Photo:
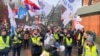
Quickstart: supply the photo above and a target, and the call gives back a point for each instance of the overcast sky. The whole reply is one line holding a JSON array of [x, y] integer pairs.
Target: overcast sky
[[52, 2]]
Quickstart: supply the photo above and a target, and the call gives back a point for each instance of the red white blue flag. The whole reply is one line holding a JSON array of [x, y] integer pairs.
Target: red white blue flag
[[31, 4]]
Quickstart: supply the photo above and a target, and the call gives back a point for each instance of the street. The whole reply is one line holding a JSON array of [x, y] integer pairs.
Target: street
[[28, 53]]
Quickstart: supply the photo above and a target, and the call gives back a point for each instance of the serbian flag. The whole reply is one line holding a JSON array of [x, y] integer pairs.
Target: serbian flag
[[32, 4]]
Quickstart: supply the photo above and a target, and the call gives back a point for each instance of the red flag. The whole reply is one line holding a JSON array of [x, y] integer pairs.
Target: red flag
[[34, 5]]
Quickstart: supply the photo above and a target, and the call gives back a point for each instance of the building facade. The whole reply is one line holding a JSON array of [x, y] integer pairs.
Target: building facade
[[90, 15]]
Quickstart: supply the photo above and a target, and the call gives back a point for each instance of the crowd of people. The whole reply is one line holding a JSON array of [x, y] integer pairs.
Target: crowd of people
[[47, 42]]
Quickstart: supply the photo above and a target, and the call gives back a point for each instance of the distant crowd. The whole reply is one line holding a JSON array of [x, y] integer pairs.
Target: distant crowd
[[48, 41]]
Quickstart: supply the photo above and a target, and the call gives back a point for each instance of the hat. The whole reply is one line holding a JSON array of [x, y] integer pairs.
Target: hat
[[90, 38]]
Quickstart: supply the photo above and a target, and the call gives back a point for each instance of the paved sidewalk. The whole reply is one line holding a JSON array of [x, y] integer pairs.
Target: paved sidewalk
[[98, 46], [23, 53], [28, 53]]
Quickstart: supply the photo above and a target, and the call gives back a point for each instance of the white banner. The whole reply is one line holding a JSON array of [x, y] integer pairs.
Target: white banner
[[78, 25], [66, 17], [11, 16], [35, 13], [12, 20], [77, 18], [45, 7], [72, 5]]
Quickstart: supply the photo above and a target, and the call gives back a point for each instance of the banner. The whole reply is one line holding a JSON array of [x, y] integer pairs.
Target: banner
[[78, 25], [77, 18], [35, 13], [12, 20], [72, 5], [66, 17], [45, 7]]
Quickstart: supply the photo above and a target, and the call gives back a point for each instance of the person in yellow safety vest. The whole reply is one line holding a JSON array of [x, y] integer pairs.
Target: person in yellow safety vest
[[5, 43], [68, 42], [36, 43], [17, 42], [57, 37], [46, 51], [90, 48], [80, 41], [50, 50]]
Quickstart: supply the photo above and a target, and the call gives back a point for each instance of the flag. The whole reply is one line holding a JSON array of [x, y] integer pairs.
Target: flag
[[78, 25], [72, 5], [32, 4], [21, 12], [33, 7], [12, 20], [66, 17], [45, 7], [15, 11], [35, 13], [77, 18]]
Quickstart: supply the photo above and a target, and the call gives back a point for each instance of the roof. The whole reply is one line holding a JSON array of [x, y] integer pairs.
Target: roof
[[95, 8]]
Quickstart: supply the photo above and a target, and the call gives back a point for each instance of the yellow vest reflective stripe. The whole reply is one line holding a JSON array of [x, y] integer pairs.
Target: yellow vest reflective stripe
[[91, 51], [82, 43], [68, 41], [79, 36], [56, 36], [45, 53], [3, 45], [36, 40], [16, 40]]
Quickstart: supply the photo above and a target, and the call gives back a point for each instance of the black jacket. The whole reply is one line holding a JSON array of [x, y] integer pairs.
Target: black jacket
[[35, 49]]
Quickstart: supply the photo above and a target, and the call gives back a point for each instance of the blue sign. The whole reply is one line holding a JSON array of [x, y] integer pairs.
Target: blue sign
[[22, 12], [71, 1], [70, 7], [68, 4], [65, 2]]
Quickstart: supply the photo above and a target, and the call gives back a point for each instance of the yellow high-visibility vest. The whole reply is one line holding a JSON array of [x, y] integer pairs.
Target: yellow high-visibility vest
[[36, 40], [45, 53], [3, 44], [69, 41], [56, 36], [16, 40], [90, 51], [82, 41], [79, 37]]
